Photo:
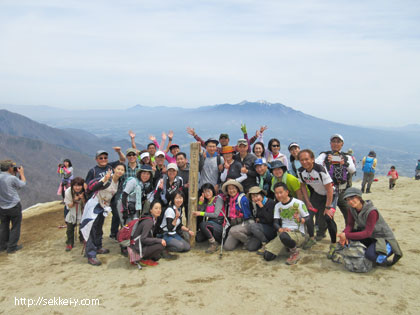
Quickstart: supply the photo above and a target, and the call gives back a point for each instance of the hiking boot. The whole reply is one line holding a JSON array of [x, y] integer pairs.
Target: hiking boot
[[331, 251], [319, 237], [3, 249], [261, 251], [363, 190], [124, 251], [14, 250], [368, 191], [148, 262], [69, 247], [94, 261], [212, 248], [102, 251], [165, 254], [294, 257], [311, 242]]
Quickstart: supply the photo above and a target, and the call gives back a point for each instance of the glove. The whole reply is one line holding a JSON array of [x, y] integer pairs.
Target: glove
[[243, 128]]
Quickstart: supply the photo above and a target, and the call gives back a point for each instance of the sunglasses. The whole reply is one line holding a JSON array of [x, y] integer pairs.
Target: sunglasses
[[275, 145], [131, 154], [103, 158]]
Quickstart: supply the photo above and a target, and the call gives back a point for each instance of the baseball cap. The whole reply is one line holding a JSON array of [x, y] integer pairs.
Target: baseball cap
[[337, 136], [158, 153], [100, 152], [172, 166], [242, 141]]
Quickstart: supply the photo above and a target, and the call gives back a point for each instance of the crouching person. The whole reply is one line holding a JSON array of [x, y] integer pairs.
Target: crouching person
[[173, 227], [289, 220], [146, 246], [239, 214], [74, 199], [211, 208], [366, 225], [262, 230]]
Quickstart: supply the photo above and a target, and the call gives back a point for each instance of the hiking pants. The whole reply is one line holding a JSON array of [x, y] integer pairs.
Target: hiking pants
[[260, 233], [9, 237], [94, 241], [239, 233], [175, 243], [367, 179], [152, 251], [70, 233], [324, 222], [115, 223], [392, 182], [342, 205], [209, 229]]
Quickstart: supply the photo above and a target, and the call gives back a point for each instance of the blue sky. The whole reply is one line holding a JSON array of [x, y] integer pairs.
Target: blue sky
[[356, 62]]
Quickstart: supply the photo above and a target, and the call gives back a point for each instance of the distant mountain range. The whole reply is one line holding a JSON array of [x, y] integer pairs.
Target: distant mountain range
[[85, 131]]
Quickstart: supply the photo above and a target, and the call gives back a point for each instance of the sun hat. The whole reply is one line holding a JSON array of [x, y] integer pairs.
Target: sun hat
[[234, 183]]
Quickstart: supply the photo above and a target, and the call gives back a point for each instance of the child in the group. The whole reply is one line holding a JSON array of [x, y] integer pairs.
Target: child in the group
[[393, 176], [74, 199], [290, 215]]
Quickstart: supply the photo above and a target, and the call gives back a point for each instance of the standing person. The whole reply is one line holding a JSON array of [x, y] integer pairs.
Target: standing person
[[211, 164], [263, 179], [247, 160], [262, 230], [75, 200], [211, 209], [159, 168], [290, 215], [273, 152], [183, 168], [96, 209], [393, 176], [168, 185], [294, 150], [232, 168], [350, 153], [259, 150], [10, 207], [172, 225], [417, 171], [339, 165], [239, 214], [369, 167], [367, 225], [321, 201], [280, 174], [66, 174]]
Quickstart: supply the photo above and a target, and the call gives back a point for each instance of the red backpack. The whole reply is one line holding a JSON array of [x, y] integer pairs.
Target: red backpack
[[125, 234]]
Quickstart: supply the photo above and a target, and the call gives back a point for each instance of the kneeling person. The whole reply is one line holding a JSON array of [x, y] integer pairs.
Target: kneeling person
[[290, 215]]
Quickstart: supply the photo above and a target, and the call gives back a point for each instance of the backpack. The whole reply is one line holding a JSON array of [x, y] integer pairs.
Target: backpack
[[125, 234], [337, 172], [368, 167], [418, 166], [354, 259]]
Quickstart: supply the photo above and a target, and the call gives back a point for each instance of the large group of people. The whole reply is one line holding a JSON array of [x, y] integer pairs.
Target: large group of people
[[250, 196]]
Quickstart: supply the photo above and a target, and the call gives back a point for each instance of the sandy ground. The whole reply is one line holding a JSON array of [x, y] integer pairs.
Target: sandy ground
[[240, 282]]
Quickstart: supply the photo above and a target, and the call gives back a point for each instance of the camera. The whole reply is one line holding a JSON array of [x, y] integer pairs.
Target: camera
[[336, 159], [78, 193], [15, 169]]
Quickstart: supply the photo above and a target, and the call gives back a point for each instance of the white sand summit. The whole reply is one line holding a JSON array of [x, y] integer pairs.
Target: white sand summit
[[197, 283]]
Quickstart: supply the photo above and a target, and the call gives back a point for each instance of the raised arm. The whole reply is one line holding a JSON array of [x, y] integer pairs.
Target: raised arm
[[192, 132]]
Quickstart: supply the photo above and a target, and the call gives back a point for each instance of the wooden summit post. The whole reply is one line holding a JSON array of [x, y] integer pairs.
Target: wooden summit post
[[193, 187]]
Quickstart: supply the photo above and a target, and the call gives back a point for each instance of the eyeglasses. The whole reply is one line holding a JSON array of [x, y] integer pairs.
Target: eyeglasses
[[336, 141], [131, 154], [275, 145], [103, 158]]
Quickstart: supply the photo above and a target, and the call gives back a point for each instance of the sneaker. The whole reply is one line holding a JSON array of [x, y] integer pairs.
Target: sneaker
[[124, 251], [331, 251], [294, 257], [148, 262], [212, 248], [102, 251], [14, 250], [319, 237], [165, 254], [261, 251], [69, 247], [94, 261], [311, 242]]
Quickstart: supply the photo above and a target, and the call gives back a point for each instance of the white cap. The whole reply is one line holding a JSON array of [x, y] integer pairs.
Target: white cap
[[144, 155], [172, 166], [158, 153], [337, 136]]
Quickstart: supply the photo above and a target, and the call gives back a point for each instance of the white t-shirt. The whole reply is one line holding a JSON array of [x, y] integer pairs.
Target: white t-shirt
[[170, 214], [316, 178], [285, 212]]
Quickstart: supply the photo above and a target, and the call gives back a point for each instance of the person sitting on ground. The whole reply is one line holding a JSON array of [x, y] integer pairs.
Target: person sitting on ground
[[366, 224], [232, 168], [172, 225], [393, 176], [239, 215], [264, 177], [290, 215], [74, 199], [294, 150], [137, 195], [96, 209], [369, 167], [66, 174], [262, 230], [280, 174], [247, 160], [148, 247], [320, 203], [211, 208]]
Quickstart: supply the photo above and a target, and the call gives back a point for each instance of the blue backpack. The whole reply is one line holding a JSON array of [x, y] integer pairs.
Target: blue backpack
[[368, 167]]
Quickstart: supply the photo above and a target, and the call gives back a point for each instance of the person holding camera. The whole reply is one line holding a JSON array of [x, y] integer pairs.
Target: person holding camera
[[66, 174], [10, 207]]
